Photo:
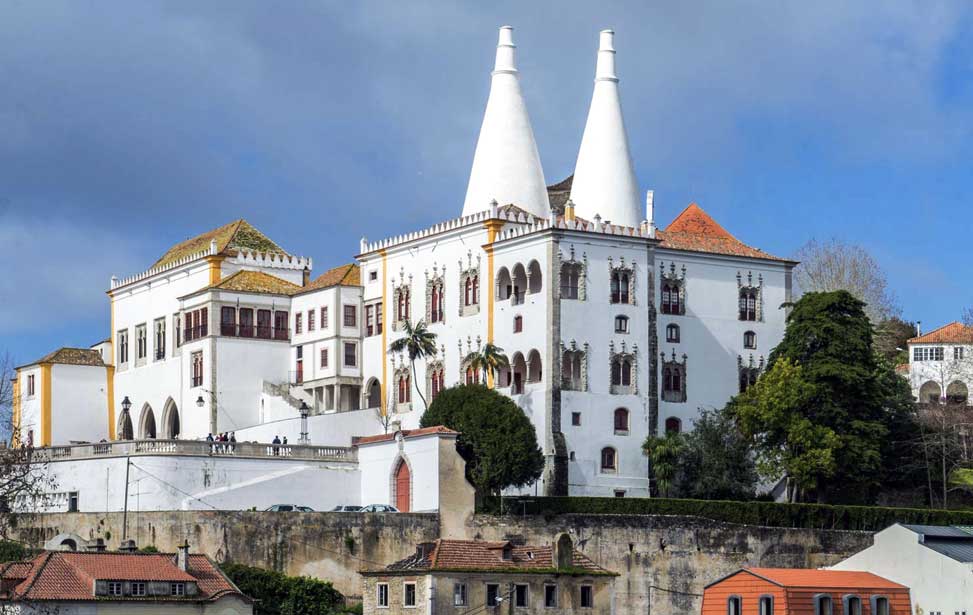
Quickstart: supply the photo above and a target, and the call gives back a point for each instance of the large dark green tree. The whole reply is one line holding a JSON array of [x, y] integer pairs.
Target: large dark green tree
[[278, 594], [496, 439], [715, 462]]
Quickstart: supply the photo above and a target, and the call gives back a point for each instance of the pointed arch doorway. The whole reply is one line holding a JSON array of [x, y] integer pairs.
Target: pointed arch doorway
[[403, 487]]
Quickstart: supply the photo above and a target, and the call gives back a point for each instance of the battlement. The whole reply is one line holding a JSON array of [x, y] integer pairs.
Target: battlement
[[118, 283], [271, 260], [643, 231]]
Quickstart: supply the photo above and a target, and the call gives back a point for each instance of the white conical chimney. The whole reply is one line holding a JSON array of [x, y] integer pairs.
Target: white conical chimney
[[604, 180], [506, 166]]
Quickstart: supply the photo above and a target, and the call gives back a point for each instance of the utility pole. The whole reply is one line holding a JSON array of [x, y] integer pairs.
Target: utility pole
[[128, 465]]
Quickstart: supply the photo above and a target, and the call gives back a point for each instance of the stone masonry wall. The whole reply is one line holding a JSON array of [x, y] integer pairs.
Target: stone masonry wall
[[664, 562]]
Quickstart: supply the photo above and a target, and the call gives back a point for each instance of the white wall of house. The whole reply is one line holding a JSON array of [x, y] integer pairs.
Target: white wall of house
[[950, 376], [937, 583], [378, 462], [78, 403], [30, 404]]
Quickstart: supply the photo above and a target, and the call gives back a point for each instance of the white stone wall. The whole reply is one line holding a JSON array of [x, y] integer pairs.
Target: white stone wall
[[78, 402], [378, 462], [30, 405], [929, 377]]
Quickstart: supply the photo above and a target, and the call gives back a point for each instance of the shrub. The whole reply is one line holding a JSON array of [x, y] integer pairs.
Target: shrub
[[279, 594]]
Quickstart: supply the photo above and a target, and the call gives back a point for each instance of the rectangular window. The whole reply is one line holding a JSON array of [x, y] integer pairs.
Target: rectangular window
[[766, 606], [619, 493], [122, 338], [382, 595], [324, 357], [576, 419], [310, 320], [227, 321], [138, 588], [734, 606], [621, 324], [587, 597], [459, 594], [203, 322], [492, 594], [141, 342], [521, 596], [73, 501], [372, 275], [298, 323], [958, 352], [246, 322], [408, 594], [281, 318], [928, 353], [177, 589], [263, 324], [550, 596], [369, 320], [351, 316], [197, 365], [378, 318], [324, 318], [177, 334], [159, 328], [114, 588], [351, 356], [518, 324], [30, 385]]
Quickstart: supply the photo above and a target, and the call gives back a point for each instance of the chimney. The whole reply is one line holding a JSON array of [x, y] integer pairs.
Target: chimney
[[918, 328], [98, 545], [182, 556], [569, 210], [128, 546], [650, 207], [306, 277], [563, 552]]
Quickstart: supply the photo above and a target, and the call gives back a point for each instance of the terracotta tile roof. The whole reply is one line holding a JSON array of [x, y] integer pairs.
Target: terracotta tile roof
[[345, 275], [237, 235], [953, 333], [477, 555], [695, 231], [72, 356], [406, 433], [811, 578], [65, 575], [255, 282]]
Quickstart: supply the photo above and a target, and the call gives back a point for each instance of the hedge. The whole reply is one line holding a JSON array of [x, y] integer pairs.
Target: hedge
[[772, 514]]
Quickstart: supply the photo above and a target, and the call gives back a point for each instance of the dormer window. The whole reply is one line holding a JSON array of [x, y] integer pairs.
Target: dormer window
[[507, 553]]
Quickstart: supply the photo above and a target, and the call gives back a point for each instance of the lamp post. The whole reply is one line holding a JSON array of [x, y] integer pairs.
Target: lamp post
[[200, 402], [126, 420], [126, 417], [304, 412]]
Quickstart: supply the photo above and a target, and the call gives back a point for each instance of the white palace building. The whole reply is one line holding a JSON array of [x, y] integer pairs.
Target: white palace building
[[615, 330]]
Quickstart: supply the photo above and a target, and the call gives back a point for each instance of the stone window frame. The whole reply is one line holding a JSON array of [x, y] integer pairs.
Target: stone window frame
[[628, 270], [436, 280], [623, 355], [750, 370], [397, 290], [582, 353], [678, 396], [472, 273], [757, 289], [582, 266], [678, 280], [432, 369], [402, 371]]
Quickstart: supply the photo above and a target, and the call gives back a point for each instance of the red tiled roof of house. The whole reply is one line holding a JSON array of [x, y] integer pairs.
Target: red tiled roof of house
[[406, 433], [475, 555], [953, 333], [812, 578], [694, 230], [67, 575], [345, 275]]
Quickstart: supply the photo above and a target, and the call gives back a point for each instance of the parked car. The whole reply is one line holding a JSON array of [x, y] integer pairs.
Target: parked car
[[379, 508], [289, 508], [346, 508]]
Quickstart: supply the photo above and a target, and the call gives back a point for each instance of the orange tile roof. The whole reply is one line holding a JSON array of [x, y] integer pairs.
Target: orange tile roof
[[812, 578], [953, 333], [66, 575], [230, 238], [406, 433], [345, 275], [72, 356], [695, 231], [475, 555], [256, 282]]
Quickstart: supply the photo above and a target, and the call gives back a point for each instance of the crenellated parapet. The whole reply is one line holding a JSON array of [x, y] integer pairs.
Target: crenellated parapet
[[119, 282], [271, 260]]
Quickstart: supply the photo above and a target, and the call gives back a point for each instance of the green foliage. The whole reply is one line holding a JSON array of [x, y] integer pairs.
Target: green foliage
[[891, 336], [715, 462], [14, 551], [279, 594], [417, 341], [769, 514], [496, 439], [149, 549], [664, 453], [488, 360]]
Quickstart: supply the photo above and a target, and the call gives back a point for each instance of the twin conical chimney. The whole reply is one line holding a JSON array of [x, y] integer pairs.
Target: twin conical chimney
[[506, 165], [604, 179]]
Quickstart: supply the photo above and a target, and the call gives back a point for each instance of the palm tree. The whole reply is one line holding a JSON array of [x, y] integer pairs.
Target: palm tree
[[489, 359], [418, 342]]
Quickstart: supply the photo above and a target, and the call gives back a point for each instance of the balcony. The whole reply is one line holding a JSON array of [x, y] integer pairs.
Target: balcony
[[262, 332], [250, 450]]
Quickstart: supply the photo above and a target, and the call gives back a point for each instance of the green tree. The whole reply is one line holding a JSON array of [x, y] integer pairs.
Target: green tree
[[664, 452], [496, 439], [772, 413], [891, 337], [280, 594], [488, 360], [417, 342], [716, 462]]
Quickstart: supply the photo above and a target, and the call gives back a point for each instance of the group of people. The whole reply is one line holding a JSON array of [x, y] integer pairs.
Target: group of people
[[277, 441], [224, 442]]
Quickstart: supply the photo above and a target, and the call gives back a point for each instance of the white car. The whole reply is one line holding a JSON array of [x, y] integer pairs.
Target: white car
[[379, 508], [289, 508]]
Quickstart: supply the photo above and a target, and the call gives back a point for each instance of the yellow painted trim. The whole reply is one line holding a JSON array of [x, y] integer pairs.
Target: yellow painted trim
[[16, 417], [110, 375], [493, 227], [215, 272], [385, 326], [45, 404]]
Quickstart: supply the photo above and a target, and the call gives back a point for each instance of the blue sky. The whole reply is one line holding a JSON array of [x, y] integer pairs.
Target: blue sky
[[126, 127]]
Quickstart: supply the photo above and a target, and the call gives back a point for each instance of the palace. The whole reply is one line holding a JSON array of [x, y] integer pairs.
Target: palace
[[615, 329]]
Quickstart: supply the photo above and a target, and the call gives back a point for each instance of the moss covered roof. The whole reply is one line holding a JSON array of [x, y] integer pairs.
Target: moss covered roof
[[229, 238]]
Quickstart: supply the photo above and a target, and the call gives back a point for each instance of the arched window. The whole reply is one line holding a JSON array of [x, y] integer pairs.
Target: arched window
[[852, 605], [472, 375], [476, 289], [436, 300], [766, 605], [518, 369], [621, 324], [734, 605], [672, 299], [621, 374], [880, 605], [534, 277], [823, 605], [748, 377], [519, 281], [673, 425], [374, 399], [749, 339], [534, 371], [672, 333], [405, 388], [672, 382], [402, 300], [748, 303], [609, 460], [505, 285], [621, 420]]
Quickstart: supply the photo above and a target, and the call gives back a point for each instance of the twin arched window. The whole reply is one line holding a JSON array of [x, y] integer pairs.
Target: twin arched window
[[621, 324], [436, 302], [620, 286], [672, 298], [405, 388], [622, 372], [471, 290], [748, 303]]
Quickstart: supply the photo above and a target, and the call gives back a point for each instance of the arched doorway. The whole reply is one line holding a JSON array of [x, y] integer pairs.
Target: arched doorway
[[170, 421], [374, 394], [403, 487], [147, 423], [930, 392]]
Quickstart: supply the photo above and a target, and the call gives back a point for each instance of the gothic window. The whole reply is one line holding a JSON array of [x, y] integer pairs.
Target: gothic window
[[435, 379], [574, 369], [621, 324], [749, 372], [623, 367], [622, 283], [469, 285], [609, 460], [673, 425], [749, 339], [672, 334], [749, 297], [403, 381], [402, 298], [672, 291], [621, 421], [673, 379], [572, 277], [435, 299]]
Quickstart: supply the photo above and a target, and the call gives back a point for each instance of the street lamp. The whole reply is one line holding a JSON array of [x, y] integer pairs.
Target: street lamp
[[126, 421], [200, 402], [304, 412], [126, 404]]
